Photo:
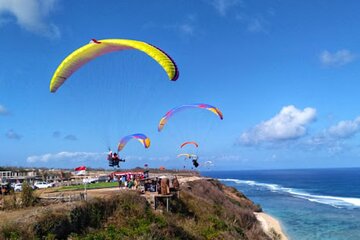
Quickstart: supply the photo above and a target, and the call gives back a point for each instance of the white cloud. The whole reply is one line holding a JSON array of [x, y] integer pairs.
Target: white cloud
[[290, 123], [344, 129], [67, 156], [223, 6], [3, 110], [333, 138], [339, 58], [11, 134], [30, 15], [324, 142]]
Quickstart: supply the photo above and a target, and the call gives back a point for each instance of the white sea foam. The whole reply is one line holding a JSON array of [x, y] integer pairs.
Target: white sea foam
[[334, 201]]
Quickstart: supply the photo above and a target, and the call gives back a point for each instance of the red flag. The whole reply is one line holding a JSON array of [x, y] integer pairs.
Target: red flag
[[80, 170]]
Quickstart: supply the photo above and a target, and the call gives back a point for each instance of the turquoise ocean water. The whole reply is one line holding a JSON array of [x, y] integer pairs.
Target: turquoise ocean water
[[310, 204]]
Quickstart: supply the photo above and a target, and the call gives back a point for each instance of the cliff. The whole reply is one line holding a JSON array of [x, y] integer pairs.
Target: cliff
[[205, 209]]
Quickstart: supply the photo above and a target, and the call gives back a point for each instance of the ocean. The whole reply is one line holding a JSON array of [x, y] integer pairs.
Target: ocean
[[311, 204]]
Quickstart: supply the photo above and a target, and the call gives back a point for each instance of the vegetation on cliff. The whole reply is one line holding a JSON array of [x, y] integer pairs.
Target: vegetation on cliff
[[206, 209]]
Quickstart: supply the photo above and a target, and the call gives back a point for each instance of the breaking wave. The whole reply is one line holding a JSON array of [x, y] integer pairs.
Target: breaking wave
[[335, 201]]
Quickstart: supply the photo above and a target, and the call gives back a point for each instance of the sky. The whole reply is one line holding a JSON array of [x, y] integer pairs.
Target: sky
[[285, 74]]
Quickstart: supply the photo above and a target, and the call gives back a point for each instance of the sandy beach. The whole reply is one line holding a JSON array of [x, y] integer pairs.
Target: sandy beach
[[268, 223]]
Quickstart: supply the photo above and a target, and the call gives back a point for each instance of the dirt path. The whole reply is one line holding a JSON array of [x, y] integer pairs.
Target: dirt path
[[190, 179]]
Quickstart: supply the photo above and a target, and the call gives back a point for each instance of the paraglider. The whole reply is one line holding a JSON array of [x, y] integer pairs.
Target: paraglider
[[195, 163], [114, 159], [175, 110], [97, 48], [187, 155], [187, 143], [208, 164], [143, 139], [194, 158]]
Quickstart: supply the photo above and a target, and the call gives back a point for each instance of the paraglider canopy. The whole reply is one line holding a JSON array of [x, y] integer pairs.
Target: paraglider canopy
[[187, 155], [142, 138], [186, 143], [97, 48], [175, 110]]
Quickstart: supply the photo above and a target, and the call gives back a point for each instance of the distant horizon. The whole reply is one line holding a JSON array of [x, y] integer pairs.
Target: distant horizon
[[198, 170]]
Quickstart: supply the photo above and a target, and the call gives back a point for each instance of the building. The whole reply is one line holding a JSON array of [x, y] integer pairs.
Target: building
[[21, 175]]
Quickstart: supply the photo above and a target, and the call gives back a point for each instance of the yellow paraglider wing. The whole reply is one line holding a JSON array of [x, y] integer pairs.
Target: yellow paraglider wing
[[95, 48]]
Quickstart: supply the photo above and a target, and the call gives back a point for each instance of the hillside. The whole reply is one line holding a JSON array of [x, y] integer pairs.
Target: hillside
[[205, 209]]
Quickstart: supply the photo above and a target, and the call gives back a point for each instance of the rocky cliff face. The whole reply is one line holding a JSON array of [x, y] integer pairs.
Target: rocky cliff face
[[220, 212]]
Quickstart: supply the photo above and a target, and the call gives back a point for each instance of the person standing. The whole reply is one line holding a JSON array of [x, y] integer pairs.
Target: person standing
[[120, 182]]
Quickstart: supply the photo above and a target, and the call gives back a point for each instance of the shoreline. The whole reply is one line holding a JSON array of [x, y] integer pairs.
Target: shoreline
[[270, 224]]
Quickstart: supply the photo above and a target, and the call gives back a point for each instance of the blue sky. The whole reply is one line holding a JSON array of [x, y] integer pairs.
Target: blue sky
[[284, 73]]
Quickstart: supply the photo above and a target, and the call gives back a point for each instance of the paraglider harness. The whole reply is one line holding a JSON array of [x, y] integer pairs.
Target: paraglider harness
[[114, 159], [195, 161]]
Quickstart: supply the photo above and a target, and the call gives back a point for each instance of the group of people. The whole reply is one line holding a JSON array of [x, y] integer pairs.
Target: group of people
[[162, 185], [131, 183]]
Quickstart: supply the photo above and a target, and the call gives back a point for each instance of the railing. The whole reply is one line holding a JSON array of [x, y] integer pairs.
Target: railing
[[63, 197]]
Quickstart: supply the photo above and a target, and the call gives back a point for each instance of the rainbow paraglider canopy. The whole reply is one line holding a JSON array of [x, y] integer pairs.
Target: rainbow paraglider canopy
[[175, 110]]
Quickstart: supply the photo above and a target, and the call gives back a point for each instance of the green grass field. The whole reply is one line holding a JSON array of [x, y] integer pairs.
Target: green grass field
[[88, 186]]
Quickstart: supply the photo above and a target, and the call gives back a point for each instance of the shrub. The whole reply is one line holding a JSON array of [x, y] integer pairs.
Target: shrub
[[10, 201], [12, 231], [52, 226], [27, 195]]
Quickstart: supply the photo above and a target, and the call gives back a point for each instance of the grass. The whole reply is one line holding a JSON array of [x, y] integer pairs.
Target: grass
[[88, 186]]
